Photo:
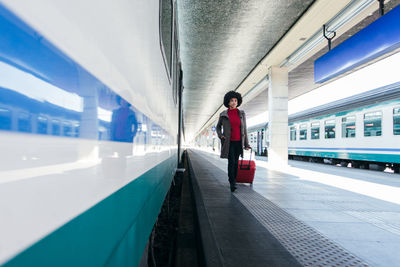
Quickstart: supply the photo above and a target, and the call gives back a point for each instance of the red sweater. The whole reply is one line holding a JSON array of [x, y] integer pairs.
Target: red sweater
[[235, 124]]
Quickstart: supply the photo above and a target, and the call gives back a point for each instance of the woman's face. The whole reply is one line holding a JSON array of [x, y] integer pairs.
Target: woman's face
[[233, 103]]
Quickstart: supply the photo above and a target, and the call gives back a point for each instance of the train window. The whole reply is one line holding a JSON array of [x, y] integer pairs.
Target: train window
[[41, 125], [293, 131], [315, 130], [166, 17], [55, 127], [67, 129], [77, 129], [330, 129], [176, 73], [396, 121], [24, 122], [303, 132], [349, 126], [5, 119], [373, 124]]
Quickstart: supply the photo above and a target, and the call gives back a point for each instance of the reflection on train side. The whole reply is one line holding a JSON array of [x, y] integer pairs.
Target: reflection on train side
[[123, 122], [53, 111], [71, 113], [42, 119]]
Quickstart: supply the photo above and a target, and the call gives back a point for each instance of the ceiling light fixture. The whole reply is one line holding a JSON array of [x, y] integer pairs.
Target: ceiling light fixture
[[258, 88]]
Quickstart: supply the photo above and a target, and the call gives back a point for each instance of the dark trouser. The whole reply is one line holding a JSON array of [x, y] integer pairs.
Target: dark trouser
[[235, 149]]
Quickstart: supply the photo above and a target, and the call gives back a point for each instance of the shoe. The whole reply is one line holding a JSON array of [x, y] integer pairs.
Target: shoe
[[233, 188]]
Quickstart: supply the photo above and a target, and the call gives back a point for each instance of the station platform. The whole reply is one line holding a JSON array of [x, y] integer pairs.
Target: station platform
[[296, 217]]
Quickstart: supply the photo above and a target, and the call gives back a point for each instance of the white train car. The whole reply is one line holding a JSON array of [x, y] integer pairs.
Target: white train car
[[89, 119], [363, 130]]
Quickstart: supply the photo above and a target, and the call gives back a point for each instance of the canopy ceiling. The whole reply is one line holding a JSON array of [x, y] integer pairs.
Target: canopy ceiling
[[221, 42]]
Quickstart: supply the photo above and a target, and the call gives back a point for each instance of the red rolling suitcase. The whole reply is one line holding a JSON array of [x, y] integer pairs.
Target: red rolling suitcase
[[246, 170]]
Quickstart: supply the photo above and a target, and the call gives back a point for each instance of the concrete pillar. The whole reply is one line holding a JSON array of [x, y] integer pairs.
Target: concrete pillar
[[89, 119], [278, 116], [89, 127]]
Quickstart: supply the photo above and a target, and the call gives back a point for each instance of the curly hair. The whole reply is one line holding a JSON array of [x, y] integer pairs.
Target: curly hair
[[232, 94]]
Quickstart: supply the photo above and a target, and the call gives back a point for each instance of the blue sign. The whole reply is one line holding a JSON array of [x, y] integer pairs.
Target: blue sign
[[376, 39]]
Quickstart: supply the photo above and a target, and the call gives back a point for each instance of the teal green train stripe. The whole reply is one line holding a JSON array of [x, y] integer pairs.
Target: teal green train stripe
[[114, 232], [390, 158], [133, 240]]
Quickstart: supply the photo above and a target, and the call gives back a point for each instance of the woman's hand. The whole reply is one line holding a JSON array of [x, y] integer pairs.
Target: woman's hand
[[222, 137]]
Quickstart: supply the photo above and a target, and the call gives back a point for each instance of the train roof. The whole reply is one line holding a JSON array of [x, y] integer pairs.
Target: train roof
[[258, 126], [379, 95]]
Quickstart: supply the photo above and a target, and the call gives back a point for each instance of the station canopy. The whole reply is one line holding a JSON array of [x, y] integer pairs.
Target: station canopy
[[230, 45]]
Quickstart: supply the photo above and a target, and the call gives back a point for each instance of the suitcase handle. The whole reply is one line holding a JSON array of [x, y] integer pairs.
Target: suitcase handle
[[246, 167]]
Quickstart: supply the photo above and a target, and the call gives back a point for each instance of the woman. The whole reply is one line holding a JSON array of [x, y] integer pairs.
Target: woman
[[234, 134]]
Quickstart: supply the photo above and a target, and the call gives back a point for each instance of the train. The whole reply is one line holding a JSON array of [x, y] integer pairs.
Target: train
[[362, 131], [87, 154], [258, 138]]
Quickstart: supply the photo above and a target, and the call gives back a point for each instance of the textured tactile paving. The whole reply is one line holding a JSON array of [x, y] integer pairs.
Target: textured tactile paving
[[307, 245], [239, 238]]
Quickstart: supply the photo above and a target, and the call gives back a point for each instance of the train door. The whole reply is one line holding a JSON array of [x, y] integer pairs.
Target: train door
[[259, 142], [262, 143]]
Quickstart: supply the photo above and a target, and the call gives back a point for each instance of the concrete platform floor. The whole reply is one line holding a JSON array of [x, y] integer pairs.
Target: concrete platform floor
[[323, 215]]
